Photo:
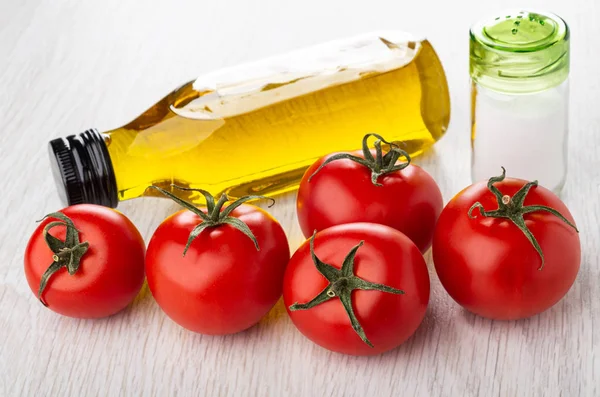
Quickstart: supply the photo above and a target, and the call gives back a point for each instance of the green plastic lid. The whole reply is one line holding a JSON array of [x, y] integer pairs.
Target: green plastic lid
[[520, 51]]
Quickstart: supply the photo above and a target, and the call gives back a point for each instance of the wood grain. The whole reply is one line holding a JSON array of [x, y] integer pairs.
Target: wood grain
[[66, 66]]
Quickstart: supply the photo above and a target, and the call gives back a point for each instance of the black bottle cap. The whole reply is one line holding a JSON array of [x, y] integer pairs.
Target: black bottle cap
[[82, 169]]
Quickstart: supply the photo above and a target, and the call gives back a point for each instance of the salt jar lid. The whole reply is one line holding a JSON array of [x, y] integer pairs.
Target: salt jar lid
[[520, 51]]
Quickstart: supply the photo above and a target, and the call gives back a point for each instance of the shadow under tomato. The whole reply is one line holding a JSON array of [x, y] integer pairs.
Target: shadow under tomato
[[416, 342], [143, 302], [242, 338], [270, 320], [549, 315]]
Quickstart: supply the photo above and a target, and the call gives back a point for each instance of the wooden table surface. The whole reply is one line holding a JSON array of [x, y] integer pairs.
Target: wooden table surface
[[66, 66]]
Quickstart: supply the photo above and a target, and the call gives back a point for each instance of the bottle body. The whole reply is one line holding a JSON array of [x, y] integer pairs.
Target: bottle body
[[527, 133], [255, 129]]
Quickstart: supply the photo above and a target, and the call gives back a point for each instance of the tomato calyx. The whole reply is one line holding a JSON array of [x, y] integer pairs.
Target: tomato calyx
[[341, 284], [380, 164], [512, 208], [216, 215], [67, 253]]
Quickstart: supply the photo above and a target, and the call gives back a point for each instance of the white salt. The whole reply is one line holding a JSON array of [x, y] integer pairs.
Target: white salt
[[525, 133]]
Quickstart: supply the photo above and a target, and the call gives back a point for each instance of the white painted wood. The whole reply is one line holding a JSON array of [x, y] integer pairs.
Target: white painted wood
[[69, 65]]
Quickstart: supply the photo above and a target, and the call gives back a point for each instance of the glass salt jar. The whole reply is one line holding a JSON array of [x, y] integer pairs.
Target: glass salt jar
[[519, 67]]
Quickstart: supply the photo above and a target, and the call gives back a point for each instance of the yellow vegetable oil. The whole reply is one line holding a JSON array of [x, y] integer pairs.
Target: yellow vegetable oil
[[255, 128]]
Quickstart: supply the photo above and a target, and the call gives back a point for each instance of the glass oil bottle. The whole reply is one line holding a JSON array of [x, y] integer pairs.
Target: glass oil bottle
[[255, 128]]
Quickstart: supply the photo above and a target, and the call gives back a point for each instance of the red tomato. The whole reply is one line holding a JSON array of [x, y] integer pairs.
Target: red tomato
[[341, 192], [223, 284], [388, 258], [111, 270], [489, 266]]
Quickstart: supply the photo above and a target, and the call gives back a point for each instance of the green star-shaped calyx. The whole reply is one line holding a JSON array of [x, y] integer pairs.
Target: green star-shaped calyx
[[341, 284], [216, 215], [379, 165], [512, 208], [66, 253]]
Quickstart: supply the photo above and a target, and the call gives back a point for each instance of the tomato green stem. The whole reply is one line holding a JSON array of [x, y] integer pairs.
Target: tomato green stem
[[341, 284], [215, 215], [512, 208], [67, 253], [379, 165]]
